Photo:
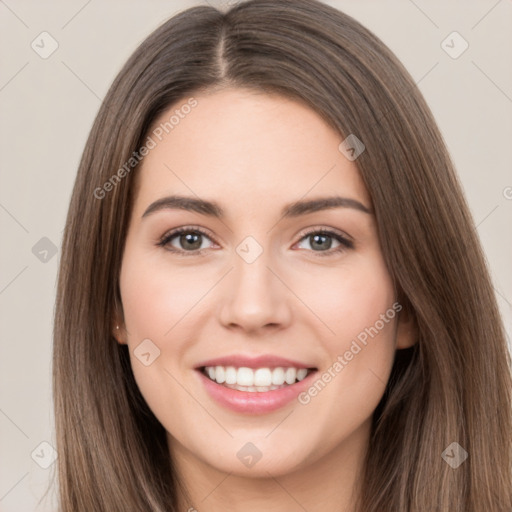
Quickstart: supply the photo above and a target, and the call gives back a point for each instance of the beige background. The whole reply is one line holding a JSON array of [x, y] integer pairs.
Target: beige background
[[48, 106]]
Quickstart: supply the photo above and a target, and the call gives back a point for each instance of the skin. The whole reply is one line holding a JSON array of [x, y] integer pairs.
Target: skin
[[254, 153]]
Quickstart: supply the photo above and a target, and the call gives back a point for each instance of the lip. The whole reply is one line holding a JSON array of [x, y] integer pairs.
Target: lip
[[263, 361], [256, 403]]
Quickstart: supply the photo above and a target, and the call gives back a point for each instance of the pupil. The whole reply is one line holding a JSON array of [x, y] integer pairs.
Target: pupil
[[192, 240], [316, 239]]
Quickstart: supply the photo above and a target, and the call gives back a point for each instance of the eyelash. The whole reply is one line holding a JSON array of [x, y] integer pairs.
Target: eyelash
[[345, 243]]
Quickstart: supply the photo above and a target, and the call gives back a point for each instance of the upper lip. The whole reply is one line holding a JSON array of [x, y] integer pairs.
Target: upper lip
[[262, 361]]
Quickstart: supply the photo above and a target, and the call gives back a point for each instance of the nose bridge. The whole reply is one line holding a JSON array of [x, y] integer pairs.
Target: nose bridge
[[251, 276], [254, 296]]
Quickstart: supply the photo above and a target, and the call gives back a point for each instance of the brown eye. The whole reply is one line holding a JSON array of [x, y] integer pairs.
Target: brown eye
[[185, 240], [321, 241], [192, 241]]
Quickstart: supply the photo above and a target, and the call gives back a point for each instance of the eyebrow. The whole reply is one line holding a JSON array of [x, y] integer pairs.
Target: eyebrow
[[213, 209]]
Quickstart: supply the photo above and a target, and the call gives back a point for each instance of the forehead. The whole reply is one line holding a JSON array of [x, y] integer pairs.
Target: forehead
[[248, 148]]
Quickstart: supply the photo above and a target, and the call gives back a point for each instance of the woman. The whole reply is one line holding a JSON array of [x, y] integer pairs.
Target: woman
[[271, 291]]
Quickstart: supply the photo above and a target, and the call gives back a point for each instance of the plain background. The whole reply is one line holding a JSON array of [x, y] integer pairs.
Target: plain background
[[48, 106]]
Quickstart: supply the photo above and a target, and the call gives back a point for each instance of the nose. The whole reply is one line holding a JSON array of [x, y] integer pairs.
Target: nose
[[253, 298]]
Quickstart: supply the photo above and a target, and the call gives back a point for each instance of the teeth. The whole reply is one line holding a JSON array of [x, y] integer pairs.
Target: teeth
[[301, 374], [253, 389], [290, 375], [230, 375], [245, 377], [260, 379], [219, 374], [278, 376]]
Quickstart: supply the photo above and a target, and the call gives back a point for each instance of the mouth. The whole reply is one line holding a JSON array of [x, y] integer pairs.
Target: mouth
[[254, 389], [255, 380]]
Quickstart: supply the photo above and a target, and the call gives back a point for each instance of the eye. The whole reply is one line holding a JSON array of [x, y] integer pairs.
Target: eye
[[183, 240], [189, 241], [321, 241]]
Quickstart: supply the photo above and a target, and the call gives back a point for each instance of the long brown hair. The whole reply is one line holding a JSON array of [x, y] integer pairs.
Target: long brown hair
[[454, 385]]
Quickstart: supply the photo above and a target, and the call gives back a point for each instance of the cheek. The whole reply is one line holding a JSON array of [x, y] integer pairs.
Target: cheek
[[360, 311], [348, 299], [155, 299], [159, 305], [152, 306]]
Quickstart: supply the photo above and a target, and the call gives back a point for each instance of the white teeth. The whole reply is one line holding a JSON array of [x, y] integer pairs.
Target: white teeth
[[220, 374], [230, 375], [290, 375], [278, 376], [263, 377], [301, 374], [260, 379], [253, 389], [244, 377]]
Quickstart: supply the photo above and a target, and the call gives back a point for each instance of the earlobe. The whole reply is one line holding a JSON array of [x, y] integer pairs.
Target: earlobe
[[407, 330], [118, 332]]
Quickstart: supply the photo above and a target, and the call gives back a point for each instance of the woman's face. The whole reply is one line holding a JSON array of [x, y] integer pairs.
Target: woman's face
[[273, 287]]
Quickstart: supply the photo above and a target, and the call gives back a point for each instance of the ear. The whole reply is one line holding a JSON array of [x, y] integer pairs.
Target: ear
[[406, 330], [118, 330]]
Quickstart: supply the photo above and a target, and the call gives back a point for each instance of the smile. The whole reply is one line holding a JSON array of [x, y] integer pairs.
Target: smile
[[254, 385], [255, 380]]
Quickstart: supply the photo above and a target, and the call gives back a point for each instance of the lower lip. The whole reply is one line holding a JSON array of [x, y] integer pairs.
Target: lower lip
[[258, 402]]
